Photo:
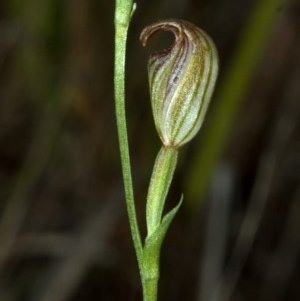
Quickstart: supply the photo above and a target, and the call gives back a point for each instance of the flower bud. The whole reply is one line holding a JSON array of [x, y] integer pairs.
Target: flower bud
[[181, 80]]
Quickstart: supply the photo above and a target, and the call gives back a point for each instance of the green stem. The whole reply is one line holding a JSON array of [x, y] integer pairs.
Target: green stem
[[160, 182], [151, 289], [123, 12], [157, 226]]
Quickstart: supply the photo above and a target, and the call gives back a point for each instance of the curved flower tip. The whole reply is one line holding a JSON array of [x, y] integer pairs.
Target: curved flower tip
[[181, 80]]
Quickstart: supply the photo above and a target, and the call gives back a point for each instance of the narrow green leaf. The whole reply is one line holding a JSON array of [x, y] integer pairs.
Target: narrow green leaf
[[153, 244]]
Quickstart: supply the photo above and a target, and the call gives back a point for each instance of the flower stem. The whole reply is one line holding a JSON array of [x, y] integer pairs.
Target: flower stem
[[157, 225], [123, 12], [160, 182], [150, 289]]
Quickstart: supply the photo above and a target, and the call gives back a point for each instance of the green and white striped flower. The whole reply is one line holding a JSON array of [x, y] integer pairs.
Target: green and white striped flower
[[181, 80]]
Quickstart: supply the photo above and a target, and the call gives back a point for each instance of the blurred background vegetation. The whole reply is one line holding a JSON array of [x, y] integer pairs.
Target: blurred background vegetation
[[64, 233]]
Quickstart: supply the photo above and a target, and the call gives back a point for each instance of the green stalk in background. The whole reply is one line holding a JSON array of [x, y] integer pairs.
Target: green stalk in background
[[230, 95]]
